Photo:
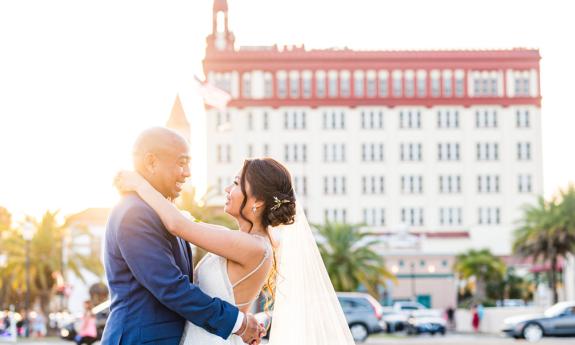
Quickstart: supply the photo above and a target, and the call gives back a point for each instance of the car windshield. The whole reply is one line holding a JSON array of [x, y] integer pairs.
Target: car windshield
[[555, 310]]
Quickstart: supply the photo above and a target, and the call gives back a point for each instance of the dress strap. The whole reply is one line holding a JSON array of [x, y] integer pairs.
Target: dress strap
[[266, 256]]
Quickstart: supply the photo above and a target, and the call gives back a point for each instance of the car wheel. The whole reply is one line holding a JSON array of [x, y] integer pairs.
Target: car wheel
[[532, 332], [358, 332]]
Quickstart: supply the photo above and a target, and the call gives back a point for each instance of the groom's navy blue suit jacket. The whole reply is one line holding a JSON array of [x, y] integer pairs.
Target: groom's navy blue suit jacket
[[149, 274]]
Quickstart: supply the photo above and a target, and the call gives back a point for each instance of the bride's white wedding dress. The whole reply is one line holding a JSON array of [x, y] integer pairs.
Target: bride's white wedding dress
[[211, 276], [306, 308]]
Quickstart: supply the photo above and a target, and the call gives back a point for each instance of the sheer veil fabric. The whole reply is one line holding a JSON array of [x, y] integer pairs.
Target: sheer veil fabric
[[306, 309]]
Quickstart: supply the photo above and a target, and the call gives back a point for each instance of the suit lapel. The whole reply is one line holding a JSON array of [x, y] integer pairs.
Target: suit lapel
[[184, 255]]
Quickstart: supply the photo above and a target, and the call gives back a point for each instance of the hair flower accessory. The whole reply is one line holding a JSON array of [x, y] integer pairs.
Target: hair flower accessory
[[278, 203]]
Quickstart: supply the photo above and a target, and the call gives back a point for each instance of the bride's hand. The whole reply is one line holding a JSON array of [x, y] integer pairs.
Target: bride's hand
[[128, 181]]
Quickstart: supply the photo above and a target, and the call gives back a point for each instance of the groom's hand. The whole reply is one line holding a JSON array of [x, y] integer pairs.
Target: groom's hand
[[250, 331]]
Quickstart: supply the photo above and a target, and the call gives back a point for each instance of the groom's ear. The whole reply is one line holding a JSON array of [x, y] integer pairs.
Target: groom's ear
[[150, 163]]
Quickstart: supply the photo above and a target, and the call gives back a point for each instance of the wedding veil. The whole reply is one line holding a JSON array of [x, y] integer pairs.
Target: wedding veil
[[306, 309]]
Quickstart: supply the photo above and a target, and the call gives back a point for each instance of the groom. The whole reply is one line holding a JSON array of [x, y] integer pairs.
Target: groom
[[150, 271]]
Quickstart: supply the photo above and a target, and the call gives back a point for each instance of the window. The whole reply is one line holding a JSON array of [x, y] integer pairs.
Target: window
[[246, 85], [489, 216], [412, 216], [447, 84], [358, 84], [250, 150], [224, 153], [281, 80], [435, 90], [268, 85], [459, 83], [300, 185], [266, 150], [371, 119], [372, 152], [294, 84], [522, 118], [320, 84], [250, 121], [372, 185], [306, 77], [409, 84], [334, 185], [332, 77], [334, 153], [521, 85], [410, 119], [524, 151], [294, 120], [345, 84], [266, 123], [447, 118], [449, 184], [485, 84], [486, 118], [487, 184], [524, 183], [383, 84], [487, 151], [411, 152], [421, 83], [397, 84], [218, 120], [412, 184], [371, 84], [448, 151], [374, 216], [333, 120], [296, 153], [450, 216], [336, 215]]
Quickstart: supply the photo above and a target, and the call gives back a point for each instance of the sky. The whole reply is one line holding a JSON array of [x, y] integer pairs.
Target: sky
[[80, 79]]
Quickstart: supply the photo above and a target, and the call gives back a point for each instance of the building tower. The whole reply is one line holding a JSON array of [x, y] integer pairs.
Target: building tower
[[221, 39]]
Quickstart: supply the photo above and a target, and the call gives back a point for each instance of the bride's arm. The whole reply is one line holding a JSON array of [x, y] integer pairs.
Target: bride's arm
[[236, 246]]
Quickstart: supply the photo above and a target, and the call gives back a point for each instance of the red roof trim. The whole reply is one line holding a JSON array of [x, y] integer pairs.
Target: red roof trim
[[387, 102]]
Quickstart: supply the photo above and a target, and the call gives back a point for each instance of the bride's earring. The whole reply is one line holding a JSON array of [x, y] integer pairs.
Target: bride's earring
[[254, 209]]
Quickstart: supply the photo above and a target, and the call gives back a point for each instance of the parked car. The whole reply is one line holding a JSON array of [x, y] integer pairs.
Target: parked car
[[557, 320], [362, 312], [511, 303], [431, 324], [396, 320], [101, 311]]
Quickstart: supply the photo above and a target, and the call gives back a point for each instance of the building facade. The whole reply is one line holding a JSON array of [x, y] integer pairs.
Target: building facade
[[441, 141]]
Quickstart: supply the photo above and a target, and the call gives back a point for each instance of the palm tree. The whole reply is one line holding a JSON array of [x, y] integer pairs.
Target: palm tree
[[350, 259], [46, 261], [547, 232], [483, 266], [5, 228]]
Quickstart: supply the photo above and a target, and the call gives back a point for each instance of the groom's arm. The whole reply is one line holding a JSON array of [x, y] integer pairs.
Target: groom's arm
[[147, 251]]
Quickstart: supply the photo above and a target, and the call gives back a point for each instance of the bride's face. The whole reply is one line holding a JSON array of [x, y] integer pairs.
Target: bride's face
[[235, 197]]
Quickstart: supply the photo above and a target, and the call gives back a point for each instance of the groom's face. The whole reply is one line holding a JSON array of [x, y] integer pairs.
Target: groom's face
[[173, 168]]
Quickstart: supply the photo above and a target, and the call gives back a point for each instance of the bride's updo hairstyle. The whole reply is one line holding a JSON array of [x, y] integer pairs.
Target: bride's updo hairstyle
[[270, 182]]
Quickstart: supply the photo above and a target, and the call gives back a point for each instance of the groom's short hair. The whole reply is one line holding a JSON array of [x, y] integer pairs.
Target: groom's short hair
[[156, 140]]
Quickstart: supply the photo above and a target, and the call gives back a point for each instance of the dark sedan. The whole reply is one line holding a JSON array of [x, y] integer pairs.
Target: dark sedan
[[559, 320]]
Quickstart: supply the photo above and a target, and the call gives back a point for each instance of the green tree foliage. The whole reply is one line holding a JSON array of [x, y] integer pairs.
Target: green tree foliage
[[350, 258]]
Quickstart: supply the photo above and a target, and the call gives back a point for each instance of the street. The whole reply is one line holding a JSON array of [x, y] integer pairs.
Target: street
[[451, 339]]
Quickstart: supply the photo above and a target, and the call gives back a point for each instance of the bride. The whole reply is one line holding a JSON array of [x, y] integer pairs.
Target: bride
[[239, 264]]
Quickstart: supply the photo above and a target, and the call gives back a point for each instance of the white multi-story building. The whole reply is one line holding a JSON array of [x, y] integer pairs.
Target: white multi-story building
[[446, 142]]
